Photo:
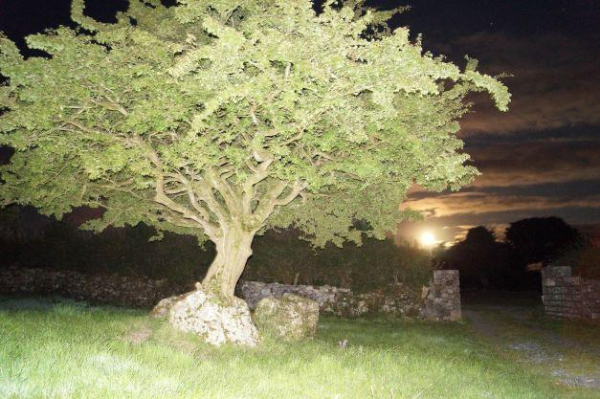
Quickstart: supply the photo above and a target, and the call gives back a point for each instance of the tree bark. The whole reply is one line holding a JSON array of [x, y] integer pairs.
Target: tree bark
[[233, 250]]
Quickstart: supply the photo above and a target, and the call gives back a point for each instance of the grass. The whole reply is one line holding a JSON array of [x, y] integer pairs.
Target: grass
[[53, 348], [573, 346]]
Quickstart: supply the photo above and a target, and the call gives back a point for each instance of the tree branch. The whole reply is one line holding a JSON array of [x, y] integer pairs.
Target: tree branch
[[260, 173], [231, 198], [162, 198], [273, 199], [296, 190], [205, 193]]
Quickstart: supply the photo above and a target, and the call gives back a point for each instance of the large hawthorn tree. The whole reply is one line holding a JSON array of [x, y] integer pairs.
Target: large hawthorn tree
[[223, 118]]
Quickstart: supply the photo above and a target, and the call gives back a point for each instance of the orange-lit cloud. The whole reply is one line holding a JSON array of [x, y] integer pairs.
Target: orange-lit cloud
[[474, 203]]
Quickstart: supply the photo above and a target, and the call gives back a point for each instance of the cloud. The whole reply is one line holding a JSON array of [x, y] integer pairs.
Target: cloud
[[530, 174], [537, 161], [517, 161], [555, 83], [474, 203], [460, 231], [447, 234], [454, 213], [542, 157]]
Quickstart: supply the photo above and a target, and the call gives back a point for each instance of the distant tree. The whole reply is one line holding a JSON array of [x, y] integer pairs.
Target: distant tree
[[543, 240], [584, 260], [482, 261], [223, 118], [481, 235]]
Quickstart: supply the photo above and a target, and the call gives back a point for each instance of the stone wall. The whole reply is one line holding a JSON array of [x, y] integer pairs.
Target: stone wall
[[441, 300], [568, 297], [337, 301], [113, 289]]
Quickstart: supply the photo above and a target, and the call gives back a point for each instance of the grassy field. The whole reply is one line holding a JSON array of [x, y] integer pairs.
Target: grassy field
[[62, 349], [568, 350]]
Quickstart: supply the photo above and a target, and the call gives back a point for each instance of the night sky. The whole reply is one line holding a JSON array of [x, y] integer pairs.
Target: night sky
[[541, 158]]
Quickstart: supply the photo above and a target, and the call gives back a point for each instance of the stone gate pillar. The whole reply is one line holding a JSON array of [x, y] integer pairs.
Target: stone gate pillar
[[561, 293], [442, 301]]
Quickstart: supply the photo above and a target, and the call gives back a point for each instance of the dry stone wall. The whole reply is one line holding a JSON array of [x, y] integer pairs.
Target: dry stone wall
[[114, 289], [336, 301], [441, 300], [442, 297], [569, 297]]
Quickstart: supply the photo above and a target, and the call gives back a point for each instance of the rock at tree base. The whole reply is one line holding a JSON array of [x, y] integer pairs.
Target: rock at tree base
[[163, 307], [205, 315], [290, 317]]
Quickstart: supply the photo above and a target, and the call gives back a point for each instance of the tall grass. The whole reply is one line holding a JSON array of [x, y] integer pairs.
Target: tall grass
[[58, 349]]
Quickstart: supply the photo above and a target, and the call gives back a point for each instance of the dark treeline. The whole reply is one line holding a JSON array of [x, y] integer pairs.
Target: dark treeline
[[30, 240], [514, 264]]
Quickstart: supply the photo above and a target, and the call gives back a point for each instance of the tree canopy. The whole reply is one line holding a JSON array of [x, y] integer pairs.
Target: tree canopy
[[482, 261], [216, 115], [542, 239]]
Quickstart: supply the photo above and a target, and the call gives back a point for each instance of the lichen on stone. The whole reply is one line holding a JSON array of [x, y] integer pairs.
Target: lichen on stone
[[204, 314], [290, 317]]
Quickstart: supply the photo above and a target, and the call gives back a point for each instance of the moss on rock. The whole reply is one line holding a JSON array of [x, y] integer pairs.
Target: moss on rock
[[290, 317]]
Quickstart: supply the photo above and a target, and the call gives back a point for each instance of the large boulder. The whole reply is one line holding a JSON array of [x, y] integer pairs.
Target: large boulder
[[290, 317], [163, 307], [215, 321]]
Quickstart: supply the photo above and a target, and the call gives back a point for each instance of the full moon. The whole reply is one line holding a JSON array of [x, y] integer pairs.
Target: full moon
[[427, 239]]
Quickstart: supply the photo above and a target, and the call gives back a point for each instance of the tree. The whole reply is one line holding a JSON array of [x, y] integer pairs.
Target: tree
[[222, 119], [541, 239], [482, 261]]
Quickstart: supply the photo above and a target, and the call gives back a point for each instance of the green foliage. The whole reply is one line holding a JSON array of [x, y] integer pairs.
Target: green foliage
[[219, 114]]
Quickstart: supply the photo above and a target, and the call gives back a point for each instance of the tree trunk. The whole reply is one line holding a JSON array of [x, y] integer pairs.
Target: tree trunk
[[233, 251]]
